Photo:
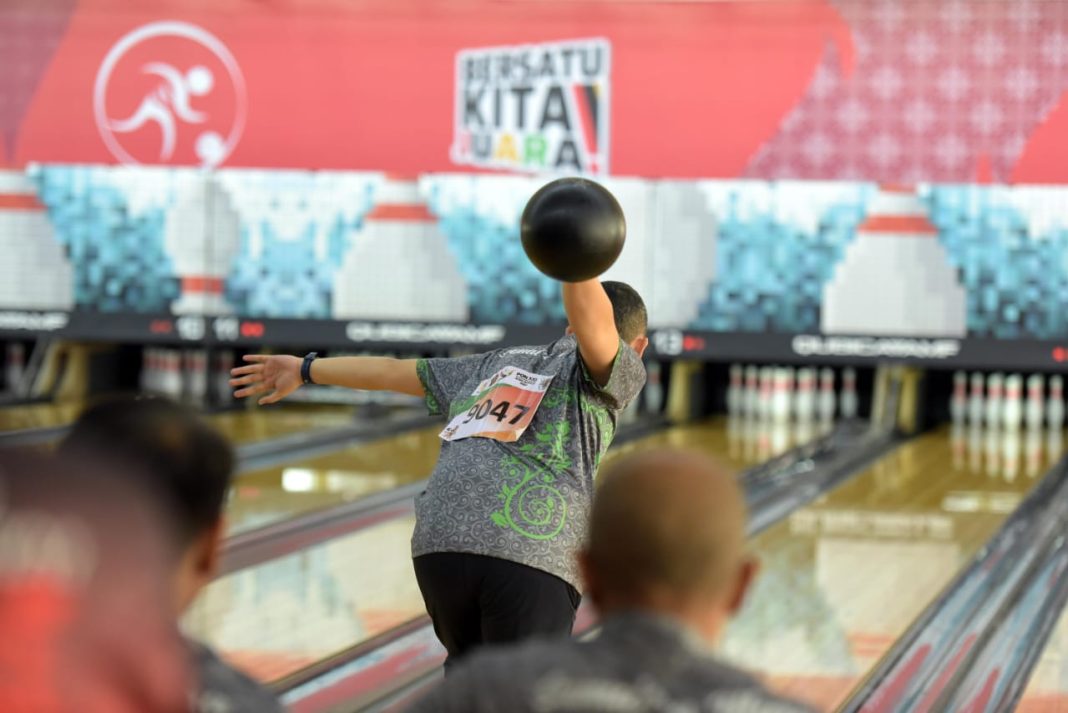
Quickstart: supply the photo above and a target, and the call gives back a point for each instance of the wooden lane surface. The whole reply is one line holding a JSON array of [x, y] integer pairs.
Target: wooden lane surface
[[843, 578], [277, 617], [285, 490], [241, 427]]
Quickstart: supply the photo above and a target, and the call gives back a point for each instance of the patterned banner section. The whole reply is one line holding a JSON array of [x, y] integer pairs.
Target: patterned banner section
[[835, 258]]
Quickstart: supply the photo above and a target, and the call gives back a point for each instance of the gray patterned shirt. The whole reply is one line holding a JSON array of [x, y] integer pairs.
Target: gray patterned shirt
[[639, 663], [224, 689], [526, 501]]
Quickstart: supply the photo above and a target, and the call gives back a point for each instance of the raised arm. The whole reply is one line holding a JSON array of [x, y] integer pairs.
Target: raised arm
[[279, 376], [589, 313]]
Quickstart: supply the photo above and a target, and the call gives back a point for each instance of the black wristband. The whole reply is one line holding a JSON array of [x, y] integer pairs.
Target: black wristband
[[305, 367]]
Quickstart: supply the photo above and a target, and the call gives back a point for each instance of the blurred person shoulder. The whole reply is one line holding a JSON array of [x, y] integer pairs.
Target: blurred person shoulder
[[591, 676], [225, 689]]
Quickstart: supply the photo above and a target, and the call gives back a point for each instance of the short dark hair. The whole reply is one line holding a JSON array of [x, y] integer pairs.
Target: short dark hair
[[185, 461], [632, 320]]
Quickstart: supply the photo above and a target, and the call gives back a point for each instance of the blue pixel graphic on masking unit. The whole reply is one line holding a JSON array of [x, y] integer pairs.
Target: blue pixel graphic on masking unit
[[1016, 282], [503, 285], [287, 280], [770, 275], [290, 277], [118, 257]]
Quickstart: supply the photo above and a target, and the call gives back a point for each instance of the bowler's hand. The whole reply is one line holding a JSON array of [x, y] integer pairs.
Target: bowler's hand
[[279, 375]]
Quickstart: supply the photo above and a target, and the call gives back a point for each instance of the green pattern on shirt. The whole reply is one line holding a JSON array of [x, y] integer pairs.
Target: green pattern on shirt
[[531, 504], [424, 376], [604, 425]]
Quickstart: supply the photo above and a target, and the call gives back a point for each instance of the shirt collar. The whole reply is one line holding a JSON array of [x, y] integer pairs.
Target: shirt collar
[[650, 628]]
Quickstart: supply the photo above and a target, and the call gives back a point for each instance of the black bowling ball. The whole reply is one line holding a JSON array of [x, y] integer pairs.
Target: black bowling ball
[[573, 229]]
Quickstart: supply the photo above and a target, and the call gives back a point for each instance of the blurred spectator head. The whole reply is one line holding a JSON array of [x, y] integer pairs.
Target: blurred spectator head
[[667, 535], [85, 601], [178, 455]]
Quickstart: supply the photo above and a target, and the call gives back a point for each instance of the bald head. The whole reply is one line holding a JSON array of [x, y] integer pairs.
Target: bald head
[[666, 525]]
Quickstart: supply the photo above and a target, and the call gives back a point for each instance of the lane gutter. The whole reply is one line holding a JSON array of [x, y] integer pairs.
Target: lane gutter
[[931, 662]]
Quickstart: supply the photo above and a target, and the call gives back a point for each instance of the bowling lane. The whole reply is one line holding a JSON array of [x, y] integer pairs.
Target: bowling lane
[[49, 414], [241, 426], [255, 424], [1047, 691], [844, 577], [280, 492], [279, 616]]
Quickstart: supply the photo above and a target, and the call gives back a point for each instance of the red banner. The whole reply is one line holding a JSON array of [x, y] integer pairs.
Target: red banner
[[902, 90]]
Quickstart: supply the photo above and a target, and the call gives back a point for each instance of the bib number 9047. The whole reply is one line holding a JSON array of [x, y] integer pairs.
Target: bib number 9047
[[504, 405], [500, 411]]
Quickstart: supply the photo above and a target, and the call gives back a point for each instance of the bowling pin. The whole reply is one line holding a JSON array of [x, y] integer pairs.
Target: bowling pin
[[186, 366], [958, 444], [849, 393], [805, 397], [975, 448], [992, 446], [735, 391], [1012, 409], [750, 437], [804, 432], [958, 402], [159, 370], [14, 366], [224, 360], [735, 436], [763, 439], [175, 385], [1054, 445], [197, 376], [826, 398], [782, 388], [144, 380], [995, 394], [975, 400], [767, 391], [1033, 451], [1035, 401], [1010, 454], [780, 437], [752, 392], [154, 370], [654, 388], [1055, 405]]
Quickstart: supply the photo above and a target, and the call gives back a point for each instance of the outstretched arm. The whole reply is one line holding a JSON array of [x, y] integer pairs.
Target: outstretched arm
[[279, 376], [589, 313]]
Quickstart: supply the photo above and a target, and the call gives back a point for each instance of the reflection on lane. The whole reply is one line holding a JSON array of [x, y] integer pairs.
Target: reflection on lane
[[243, 426], [254, 424], [844, 577], [275, 618], [43, 415], [281, 492]]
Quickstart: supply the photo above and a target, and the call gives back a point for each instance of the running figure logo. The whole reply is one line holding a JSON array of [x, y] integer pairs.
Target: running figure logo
[[170, 93]]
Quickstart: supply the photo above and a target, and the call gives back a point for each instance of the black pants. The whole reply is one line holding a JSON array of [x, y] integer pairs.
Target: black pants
[[475, 600]]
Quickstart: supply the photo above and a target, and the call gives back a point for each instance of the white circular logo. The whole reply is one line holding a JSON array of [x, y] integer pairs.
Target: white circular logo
[[170, 93]]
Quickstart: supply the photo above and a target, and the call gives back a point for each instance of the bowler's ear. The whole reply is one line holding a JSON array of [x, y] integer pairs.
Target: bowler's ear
[[640, 344], [589, 577], [747, 573]]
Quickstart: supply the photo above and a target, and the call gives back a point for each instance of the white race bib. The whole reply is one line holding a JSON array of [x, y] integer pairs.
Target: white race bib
[[502, 407]]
